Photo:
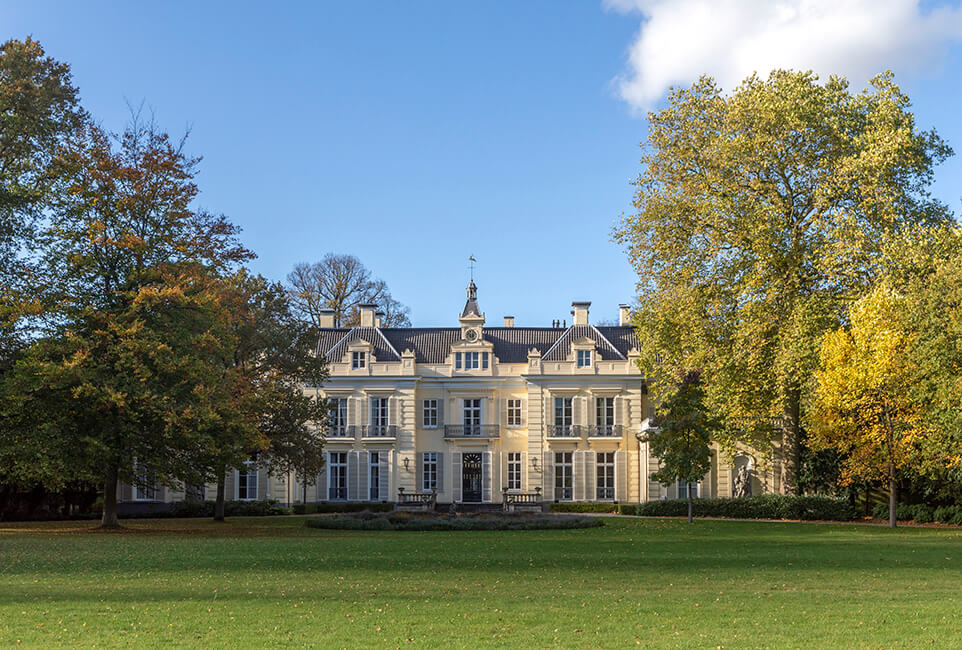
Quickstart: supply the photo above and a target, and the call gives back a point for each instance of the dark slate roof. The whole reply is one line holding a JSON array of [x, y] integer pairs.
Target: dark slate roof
[[605, 347], [622, 337], [429, 344], [511, 344], [381, 347]]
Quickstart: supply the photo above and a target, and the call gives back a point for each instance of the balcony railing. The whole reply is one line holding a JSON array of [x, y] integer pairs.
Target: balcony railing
[[605, 430], [340, 431], [472, 430], [380, 431], [564, 431]]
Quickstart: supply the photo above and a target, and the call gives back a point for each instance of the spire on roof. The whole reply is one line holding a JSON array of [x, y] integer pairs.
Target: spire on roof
[[471, 305]]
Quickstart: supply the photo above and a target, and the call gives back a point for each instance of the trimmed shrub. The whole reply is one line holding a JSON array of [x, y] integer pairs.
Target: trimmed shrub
[[231, 509], [254, 508], [949, 515], [584, 507], [421, 521], [922, 514], [766, 506], [192, 509], [323, 508]]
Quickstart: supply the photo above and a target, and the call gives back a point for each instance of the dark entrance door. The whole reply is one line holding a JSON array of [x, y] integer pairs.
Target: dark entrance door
[[471, 478]]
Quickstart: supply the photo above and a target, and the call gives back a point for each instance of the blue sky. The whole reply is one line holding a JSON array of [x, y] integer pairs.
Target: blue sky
[[416, 134]]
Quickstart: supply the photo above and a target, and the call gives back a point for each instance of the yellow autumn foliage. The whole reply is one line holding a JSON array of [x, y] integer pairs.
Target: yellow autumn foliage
[[862, 406]]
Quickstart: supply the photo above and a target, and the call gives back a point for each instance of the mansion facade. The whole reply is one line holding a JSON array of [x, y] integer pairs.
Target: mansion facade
[[473, 413]]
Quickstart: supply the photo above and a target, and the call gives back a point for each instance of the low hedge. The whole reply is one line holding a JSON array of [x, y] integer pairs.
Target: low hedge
[[231, 509], [948, 515], [325, 508], [766, 506], [584, 507], [429, 521], [920, 513]]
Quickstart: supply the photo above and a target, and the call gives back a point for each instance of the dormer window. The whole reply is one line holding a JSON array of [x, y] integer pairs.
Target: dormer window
[[358, 360], [584, 358], [470, 360]]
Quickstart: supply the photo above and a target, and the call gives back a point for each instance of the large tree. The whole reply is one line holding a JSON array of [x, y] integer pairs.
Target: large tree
[[759, 217], [266, 415], [120, 394], [863, 399], [130, 324], [39, 111], [926, 270], [341, 283], [682, 439]]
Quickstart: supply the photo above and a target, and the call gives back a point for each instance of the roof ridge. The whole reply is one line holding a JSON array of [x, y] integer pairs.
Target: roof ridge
[[558, 342], [341, 340], [605, 339], [384, 338]]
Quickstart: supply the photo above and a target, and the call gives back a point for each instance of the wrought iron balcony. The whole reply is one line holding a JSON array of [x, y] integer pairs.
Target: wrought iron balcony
[[564, 431], [380, 431], [340, 431], [472, 430], [605, 430]]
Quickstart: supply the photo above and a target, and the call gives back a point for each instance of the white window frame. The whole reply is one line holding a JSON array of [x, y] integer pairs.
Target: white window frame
[[513, 407], [583, 358], [429, 471], [515, 467], [374, 475], [477, 407], [143, 492], [604, 414], [380, 411], [564, 474], [429, 413], [358, 360], [605, 473], [337, 416], [683, 489], [337, 465], [565, 407], [249, 471]]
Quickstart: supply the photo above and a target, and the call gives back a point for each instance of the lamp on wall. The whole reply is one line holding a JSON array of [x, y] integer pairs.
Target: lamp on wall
[[534, 463], [407, 462]]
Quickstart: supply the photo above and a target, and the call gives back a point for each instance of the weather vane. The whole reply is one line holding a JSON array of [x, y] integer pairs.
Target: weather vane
[[471, 266]]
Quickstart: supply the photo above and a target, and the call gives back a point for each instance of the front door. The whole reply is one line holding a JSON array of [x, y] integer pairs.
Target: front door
[[471, 478]]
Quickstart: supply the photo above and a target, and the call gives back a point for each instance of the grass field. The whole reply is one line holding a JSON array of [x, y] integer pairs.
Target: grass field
[[257, 582]]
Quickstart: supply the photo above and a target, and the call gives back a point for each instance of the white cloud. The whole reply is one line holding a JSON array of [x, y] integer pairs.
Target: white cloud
[[679, 40]]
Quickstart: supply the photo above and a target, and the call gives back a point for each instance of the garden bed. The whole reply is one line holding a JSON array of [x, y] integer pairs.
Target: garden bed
[[433, 521]]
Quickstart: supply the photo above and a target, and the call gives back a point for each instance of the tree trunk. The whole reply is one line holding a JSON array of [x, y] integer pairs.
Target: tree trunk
[[219, 501], [689, 504], [893, 487], [893, 496], [305, 492], [109, 519], [793, 415]]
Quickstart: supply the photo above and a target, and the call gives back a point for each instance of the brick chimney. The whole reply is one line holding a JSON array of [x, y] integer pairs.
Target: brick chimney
[[509, 321]]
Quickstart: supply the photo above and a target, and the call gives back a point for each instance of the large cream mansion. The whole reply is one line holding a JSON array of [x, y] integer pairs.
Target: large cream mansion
[[472, 413]]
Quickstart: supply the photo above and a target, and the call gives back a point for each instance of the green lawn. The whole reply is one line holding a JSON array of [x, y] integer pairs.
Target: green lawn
[[256, 582]]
